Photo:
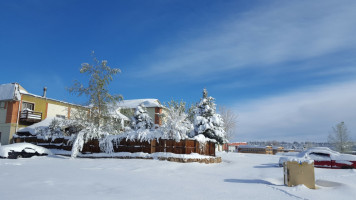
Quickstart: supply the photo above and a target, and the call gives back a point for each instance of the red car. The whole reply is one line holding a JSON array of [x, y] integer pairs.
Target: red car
[[325, 158]]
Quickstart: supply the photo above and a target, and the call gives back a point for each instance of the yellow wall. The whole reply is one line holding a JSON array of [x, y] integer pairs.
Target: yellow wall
[[40, 104], [54, 107]]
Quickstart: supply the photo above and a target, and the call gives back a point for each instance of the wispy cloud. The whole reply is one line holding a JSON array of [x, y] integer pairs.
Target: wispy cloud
[[307, 114], [262, 37]]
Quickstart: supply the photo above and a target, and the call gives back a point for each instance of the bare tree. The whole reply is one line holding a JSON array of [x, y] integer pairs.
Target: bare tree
[[340, 138], [230, 121]]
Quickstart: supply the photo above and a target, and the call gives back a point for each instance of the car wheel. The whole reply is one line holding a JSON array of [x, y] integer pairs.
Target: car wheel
[[19, 156]]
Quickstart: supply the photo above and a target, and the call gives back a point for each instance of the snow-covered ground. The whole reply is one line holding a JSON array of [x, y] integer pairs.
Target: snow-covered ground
[[239, 176]]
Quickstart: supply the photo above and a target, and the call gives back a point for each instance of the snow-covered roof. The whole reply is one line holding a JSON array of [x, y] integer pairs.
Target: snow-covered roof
[[10, 91], [44, 123], [148, 103]]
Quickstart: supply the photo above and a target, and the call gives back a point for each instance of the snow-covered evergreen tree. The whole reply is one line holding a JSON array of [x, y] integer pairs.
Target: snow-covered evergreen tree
[[207, 121], [141, 119], [177, 126]]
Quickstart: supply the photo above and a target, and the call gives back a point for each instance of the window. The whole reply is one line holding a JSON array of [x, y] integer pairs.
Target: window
[[28, 106], [61, 116], [320, 154], [2, 104]]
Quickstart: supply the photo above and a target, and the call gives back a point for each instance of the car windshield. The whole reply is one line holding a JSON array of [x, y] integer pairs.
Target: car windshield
[[319, 156], [29, 150]]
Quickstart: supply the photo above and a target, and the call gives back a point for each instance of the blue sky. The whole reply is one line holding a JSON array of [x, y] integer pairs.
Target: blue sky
[[287, 68]]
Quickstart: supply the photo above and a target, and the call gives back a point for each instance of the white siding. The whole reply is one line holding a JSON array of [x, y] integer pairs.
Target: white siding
[[74, 113]]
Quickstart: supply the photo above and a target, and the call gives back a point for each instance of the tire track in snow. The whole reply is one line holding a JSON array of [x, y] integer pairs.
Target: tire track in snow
[[287, 193]]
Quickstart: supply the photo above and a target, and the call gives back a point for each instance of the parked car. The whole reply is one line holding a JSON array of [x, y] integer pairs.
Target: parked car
[[22, 150], [324, 158]]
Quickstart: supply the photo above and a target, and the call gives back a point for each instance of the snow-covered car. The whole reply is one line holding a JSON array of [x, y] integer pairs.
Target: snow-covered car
[[324, 158], [22, 150]]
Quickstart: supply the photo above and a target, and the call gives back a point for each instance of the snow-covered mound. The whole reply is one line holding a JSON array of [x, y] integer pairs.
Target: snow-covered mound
[[18, 147]]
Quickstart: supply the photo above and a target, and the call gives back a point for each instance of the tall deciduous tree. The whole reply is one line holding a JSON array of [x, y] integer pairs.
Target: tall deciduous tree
[[100, 76], [230, 121], [340, 138], [99, 123]]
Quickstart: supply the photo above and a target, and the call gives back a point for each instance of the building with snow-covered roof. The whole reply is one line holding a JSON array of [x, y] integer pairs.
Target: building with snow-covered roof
[[255, 149], [232, 147], [19, 108], [153, 106]]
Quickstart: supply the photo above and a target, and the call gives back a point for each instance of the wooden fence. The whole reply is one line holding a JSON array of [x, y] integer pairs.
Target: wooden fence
[[132, 146]]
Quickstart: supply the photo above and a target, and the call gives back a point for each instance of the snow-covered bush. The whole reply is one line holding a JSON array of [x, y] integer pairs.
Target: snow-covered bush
[[53, 130], [176, 125], [207, 121], [89, 132]]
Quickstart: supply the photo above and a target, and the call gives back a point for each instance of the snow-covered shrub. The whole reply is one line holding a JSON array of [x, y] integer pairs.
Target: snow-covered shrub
[[207, 121], [107, 143], [176, 125], [53, 130]]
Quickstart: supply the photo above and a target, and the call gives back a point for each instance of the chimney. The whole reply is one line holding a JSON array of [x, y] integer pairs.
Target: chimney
[[44, 92]]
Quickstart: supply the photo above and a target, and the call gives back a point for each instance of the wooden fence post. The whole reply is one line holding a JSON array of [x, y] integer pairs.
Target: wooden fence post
[[153, 146]]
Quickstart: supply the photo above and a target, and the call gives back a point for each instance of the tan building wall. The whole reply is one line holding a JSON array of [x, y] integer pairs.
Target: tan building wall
[[54, 110], [5, 129]]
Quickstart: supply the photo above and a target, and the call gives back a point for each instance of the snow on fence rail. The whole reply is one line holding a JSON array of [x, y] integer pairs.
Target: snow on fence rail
[[133, 146]]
